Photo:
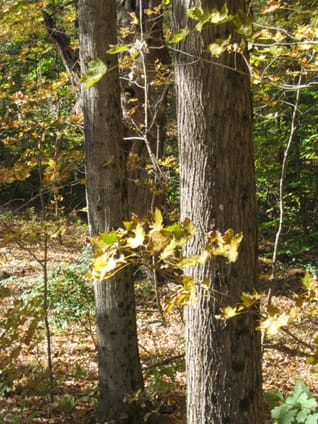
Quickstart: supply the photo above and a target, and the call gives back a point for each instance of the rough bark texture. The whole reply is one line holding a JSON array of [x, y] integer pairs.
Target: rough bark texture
[[118, 360], [218, 191], [141, 185]]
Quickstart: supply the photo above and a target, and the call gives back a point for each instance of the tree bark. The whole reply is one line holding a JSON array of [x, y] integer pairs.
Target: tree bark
[[118, 359], [223, 358], [142, 187]]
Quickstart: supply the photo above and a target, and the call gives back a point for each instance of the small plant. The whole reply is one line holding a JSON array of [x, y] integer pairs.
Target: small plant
[[298, 408], [161, 379]]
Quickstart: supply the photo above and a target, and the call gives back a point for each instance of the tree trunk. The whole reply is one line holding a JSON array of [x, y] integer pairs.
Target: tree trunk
[[143, 188], [223, 358], [118, 359]]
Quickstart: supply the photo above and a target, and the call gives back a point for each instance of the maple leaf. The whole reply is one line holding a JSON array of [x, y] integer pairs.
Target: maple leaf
[[139, 237]]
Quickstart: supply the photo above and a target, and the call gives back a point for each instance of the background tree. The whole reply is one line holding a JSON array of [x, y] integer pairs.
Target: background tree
[[223, 358], [144, 85], [118, 359]]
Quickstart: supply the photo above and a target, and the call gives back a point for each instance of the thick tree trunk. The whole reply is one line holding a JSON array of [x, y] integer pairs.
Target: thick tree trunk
[[118, 360], [223, 358]]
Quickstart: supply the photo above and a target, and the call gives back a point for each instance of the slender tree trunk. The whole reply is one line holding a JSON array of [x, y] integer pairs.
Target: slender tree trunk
[[118, 359], [223, 358]]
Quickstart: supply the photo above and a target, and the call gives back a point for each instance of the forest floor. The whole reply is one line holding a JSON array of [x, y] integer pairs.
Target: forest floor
[[24, 397]]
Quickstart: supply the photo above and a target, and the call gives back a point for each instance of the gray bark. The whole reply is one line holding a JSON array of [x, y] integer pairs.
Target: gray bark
[[141, 185], [118, 359], [223, 358]]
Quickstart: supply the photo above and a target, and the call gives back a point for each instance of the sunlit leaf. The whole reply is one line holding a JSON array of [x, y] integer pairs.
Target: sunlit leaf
[[179, 35], [196, 13], [138, 239], [216, 49], [228, 312], [250, 299], [308, 281], [170, 249], [226, 245], [105, 266], [156, 224], [273, 324], [96, 70], [118, 48]]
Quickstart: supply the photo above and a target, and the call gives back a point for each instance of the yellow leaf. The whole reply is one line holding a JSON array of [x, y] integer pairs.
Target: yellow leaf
[[52, 163], [139, 238], [170, 249], [156, 224], [105, 266], [226, 245], [98, 243], [228, 312], [272, 324], [249, 299], [188, 261]]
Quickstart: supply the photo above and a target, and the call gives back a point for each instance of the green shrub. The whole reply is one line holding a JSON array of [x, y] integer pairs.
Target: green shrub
[[298, 408]]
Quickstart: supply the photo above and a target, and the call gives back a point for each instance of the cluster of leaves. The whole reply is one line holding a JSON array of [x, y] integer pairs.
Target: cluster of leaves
[[273, 319], [203, 17], [301, 407], [150, 243]]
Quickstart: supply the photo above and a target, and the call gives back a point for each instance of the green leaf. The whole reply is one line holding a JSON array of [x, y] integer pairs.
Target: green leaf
[[299, 389], [96, 70], [117, 48], [312, 419], [273, 398], [283, 414], [179, 35], [109, 237], [220, 17], [308, 281], [196, 13], [243, 24]]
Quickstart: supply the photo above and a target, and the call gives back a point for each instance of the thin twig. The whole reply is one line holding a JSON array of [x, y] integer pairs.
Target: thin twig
[[300, 341], [164, 361], [46, 320], [282, 178]]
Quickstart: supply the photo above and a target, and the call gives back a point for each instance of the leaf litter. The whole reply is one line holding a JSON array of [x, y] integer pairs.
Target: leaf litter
[[25, 400]]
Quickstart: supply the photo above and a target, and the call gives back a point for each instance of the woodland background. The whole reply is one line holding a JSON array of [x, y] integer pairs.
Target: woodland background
[[45, 257]]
